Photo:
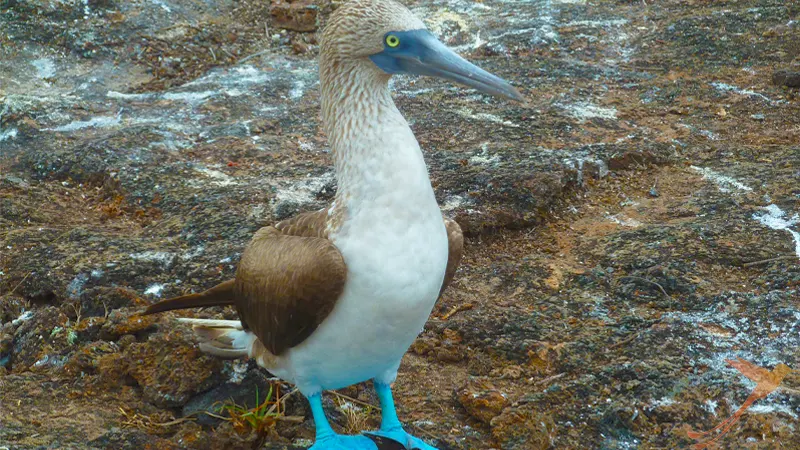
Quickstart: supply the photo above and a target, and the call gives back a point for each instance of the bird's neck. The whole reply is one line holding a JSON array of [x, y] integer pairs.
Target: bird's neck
[[377, 158]]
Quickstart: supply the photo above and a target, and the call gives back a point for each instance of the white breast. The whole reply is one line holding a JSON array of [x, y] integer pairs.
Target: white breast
[[395, 246]]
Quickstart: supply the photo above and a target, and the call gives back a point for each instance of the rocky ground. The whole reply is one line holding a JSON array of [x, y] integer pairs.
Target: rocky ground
[[628, 230]]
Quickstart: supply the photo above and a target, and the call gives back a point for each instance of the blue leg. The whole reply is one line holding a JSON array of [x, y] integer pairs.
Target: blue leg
[[327, 439], [390, 425]]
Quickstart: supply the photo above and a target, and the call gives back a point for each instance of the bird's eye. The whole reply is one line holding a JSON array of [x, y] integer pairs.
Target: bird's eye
[[392, 41]]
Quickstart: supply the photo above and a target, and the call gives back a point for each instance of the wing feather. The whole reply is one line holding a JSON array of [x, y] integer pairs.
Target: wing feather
[[289, 279], [455, 250], [286, 285]]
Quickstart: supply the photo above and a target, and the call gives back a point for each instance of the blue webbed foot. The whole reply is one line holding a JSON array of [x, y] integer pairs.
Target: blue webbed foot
[[327, 439], [392, 436], [397, 439], [343, 442]]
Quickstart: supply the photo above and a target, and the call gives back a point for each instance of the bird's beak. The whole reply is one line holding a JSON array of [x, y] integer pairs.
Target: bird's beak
[[420, 53]]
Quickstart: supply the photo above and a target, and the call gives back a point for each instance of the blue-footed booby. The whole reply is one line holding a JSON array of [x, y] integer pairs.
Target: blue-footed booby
[[335, 297]]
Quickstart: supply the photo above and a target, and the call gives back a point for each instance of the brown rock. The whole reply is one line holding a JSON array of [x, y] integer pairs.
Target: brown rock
[[169, 368], [786, 78], [425, 345], [631, 159], [297, 15], [450, 354], [120, 323], [86, 360], [523, 428], [481, 401]]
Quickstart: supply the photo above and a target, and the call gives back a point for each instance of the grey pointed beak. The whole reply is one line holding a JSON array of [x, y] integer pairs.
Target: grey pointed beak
[[437, 60], [420, 53]]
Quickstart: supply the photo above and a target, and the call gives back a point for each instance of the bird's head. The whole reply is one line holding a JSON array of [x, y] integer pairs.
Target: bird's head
[[392, 40]]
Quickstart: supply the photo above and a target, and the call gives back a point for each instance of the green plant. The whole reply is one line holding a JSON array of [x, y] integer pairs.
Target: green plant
[[261, 418]]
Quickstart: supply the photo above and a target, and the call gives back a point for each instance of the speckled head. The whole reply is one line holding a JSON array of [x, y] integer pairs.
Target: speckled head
[[356, 29], [388, 35]]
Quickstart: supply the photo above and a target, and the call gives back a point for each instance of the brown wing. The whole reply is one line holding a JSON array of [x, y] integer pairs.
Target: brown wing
[[286, 285], [309, 224], [455, 251]]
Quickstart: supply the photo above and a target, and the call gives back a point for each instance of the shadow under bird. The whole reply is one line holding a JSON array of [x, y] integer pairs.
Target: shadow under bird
[[335, 297]]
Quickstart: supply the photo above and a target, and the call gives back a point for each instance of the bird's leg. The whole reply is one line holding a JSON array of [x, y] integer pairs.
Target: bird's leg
[[326, 438], [389, 420], [390, 425]]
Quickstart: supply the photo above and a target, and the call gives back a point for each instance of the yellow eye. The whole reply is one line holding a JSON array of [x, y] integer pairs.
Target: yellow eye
[[392, 41]]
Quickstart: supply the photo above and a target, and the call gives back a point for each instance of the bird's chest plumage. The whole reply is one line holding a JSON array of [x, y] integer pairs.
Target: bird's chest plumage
[[395, 246], [396, 262], [390, 231]]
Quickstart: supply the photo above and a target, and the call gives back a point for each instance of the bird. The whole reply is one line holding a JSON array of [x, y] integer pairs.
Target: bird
[[335, 297]]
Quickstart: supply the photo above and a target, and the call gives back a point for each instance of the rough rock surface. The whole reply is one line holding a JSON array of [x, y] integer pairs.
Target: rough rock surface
[[630, 228]]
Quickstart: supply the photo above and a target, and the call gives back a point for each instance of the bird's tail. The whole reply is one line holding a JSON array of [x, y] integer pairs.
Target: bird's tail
[[222, 338], [219, 295]]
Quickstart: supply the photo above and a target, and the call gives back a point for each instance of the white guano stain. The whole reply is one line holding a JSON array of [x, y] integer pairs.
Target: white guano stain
[[8, 134], [484, 158], [625, 221], [453, 202], [97, 122], [164, 258], [710, 406], [663, 401], [189, 97], [162, 5], [155, 290], [304, 191], [777, 219], [217, 178], [45, 68], [724, 183], [724, 87], [597, 23], [22, 318], [123, 96], [297, 91], [772, 408], [438, 19], [484, 117], [586, 111]]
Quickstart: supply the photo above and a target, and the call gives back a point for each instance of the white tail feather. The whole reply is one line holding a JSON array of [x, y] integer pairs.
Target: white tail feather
[[222, 338], [212, 323]]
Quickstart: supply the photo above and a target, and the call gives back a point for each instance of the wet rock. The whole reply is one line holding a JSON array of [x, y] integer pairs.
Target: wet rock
[[630, 159], [102, 300], [42, 342], [481, 400], [479, 364], [89, 329], [786, 78], [141, 150], [121, 322], [86, 360], [298, 15], [241, 390], [523, 428], [508, 335], [126, 340], [445, 348], [224, 436], [130, 439], [168, 367], [11, 307], [6, 341]]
